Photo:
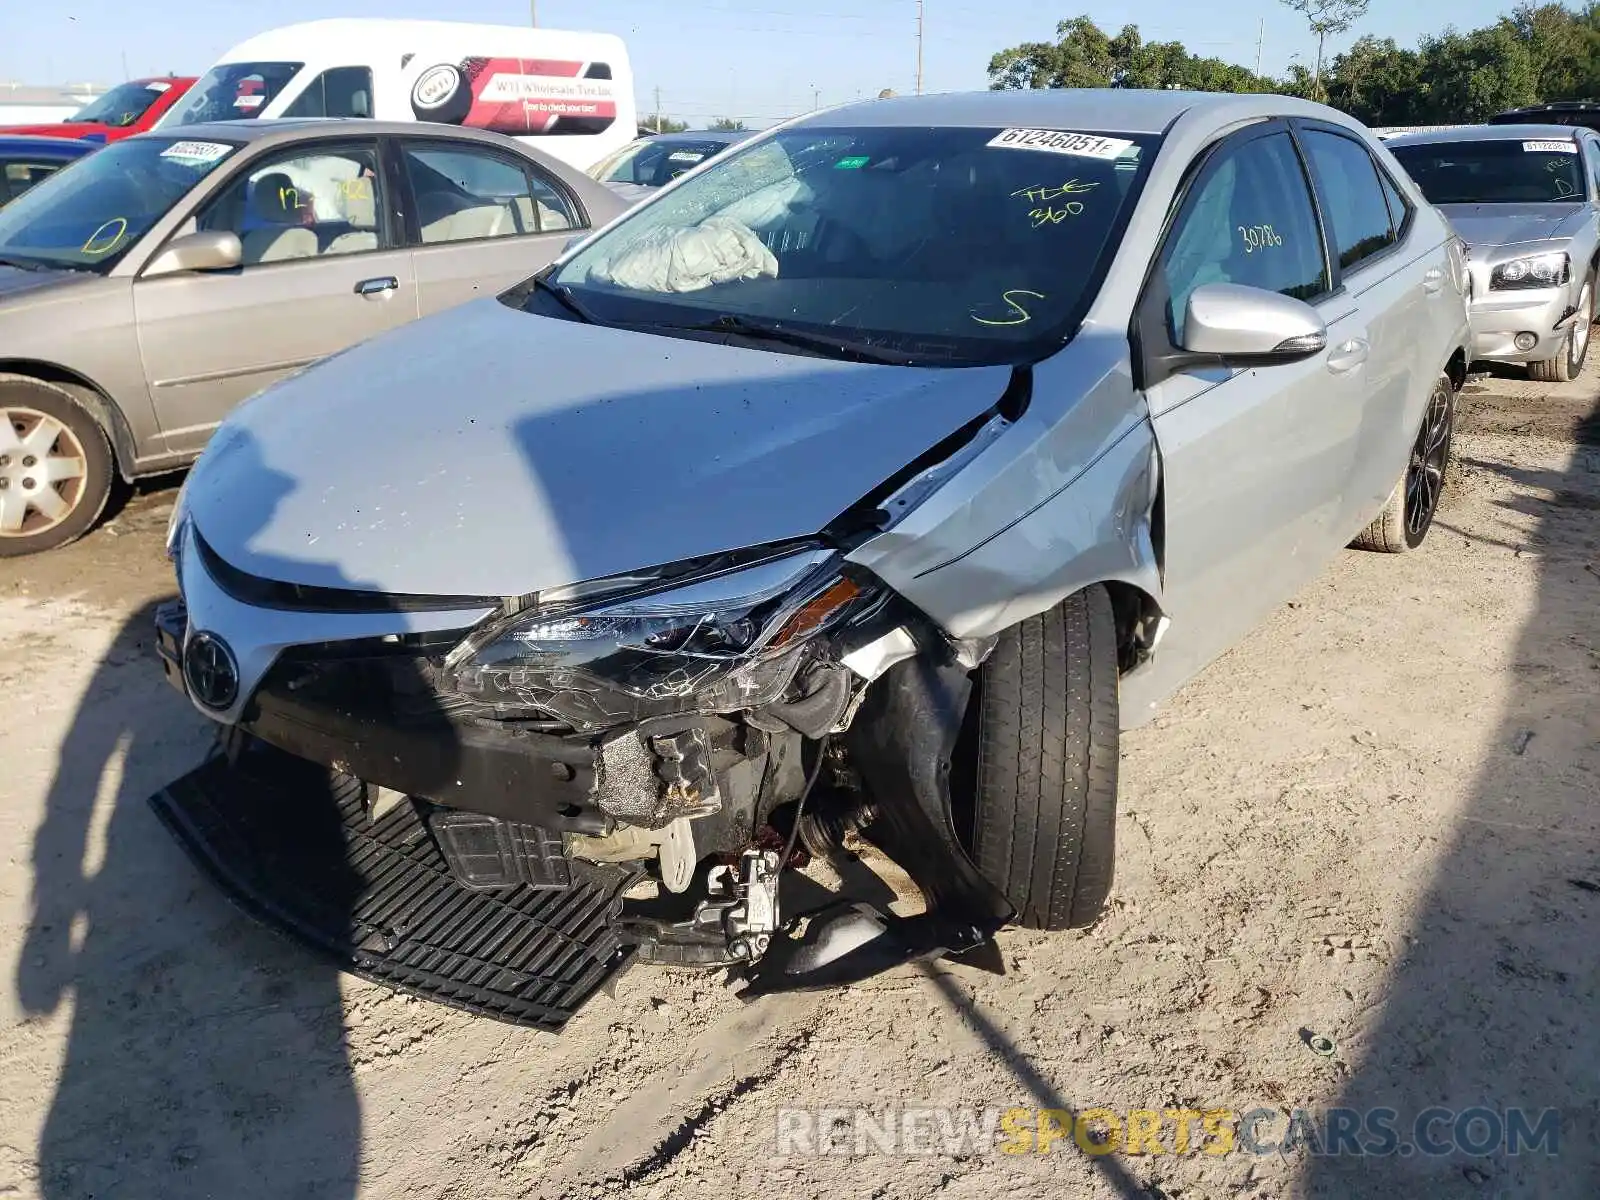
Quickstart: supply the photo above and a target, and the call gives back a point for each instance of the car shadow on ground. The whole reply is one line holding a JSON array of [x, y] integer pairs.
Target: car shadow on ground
[[205, 1057], [1492, 1004]]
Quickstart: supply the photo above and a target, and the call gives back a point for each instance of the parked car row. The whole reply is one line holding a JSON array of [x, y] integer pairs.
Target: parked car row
[[870, 476]]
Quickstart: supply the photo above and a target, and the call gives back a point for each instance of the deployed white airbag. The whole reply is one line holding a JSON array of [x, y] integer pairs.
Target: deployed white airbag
[[718, 250]]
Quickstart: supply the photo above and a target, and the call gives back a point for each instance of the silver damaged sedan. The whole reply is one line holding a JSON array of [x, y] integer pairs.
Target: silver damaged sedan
[[859, 488]]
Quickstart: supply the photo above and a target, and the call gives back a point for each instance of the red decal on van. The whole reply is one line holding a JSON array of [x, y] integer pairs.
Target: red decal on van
[[520, 96]]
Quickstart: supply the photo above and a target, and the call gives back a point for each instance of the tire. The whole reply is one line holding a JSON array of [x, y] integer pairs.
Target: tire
[[1568, 365], [1408, 513], [1045, 802], [76, 452]]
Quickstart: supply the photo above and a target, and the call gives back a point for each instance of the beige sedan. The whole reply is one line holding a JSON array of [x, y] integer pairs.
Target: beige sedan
[[150, 287]]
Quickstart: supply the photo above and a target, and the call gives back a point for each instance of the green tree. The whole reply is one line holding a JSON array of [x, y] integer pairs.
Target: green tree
[[1327, 18], [1379, 83], [1471, 76], [729, 123], [1079, 57], [660, 124], [1084, 56]]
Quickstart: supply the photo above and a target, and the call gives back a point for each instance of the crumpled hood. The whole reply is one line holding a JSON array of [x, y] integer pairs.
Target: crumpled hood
[[1487, 226], [490, 452]]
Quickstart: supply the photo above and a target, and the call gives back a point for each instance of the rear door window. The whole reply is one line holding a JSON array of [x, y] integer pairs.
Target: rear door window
[[464, 193], [1357, 210]]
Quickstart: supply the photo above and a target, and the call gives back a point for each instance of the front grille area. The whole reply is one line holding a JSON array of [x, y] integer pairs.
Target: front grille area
[[273, 593]]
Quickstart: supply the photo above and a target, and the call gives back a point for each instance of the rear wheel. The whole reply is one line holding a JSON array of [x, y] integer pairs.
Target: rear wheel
[[55, 467], [1045, 802], [1408, 514]]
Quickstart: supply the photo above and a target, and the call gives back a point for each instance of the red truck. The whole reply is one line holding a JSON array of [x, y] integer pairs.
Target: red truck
[[127, 109]]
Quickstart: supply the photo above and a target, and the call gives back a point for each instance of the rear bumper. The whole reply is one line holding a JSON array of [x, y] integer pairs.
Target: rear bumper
[[528, 777]]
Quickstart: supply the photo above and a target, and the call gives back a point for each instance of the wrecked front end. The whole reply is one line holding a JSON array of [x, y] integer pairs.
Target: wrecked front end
[[513, 801]]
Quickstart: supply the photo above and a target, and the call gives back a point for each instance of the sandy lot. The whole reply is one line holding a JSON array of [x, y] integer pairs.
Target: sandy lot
[[1378, 821]]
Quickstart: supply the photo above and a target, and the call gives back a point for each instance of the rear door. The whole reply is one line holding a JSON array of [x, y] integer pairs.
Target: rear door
[[1399, 284], [324, 268], [1254, 462], [480, 219]]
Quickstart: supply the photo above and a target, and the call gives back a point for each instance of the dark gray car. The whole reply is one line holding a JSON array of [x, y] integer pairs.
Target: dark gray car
[[150, 287]]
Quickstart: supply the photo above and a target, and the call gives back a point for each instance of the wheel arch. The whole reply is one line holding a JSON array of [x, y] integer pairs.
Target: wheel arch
[[1456, 368], [96, 401]]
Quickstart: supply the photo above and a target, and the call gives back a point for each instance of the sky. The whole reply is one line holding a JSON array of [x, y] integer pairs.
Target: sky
[[759, 61]]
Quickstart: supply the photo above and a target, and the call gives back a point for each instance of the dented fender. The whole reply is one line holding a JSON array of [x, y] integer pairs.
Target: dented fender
[[1062, 499]]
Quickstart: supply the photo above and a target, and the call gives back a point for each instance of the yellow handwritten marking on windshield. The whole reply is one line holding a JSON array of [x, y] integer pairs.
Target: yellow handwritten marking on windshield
[[1040, 194], [1023, 316], [1564, 188], [1054, 216], [1047, 212], [94, 244]]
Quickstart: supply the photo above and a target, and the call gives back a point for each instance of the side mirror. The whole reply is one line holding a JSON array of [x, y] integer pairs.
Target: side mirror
[[1243, 324], [211, 250]]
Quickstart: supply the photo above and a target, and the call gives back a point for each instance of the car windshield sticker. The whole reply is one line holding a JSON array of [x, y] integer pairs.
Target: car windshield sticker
[[1550, 147], [1048, 211], [1060, 141], [249, 100], [1258, 237], [157, 85], [1018, 315], [853, 164], [197, 152], [685, 156]]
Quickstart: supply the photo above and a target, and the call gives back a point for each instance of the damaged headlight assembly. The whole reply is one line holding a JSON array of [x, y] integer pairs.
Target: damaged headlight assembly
[[719, 643]]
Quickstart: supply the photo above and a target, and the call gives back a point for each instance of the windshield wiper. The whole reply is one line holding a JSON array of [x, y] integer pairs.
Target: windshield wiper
[[565, 298], [828, 345]]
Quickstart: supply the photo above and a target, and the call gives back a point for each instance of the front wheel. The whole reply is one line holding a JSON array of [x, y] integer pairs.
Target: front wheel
[[1568, 364], [1408, 514], [55, 467], [1045, 802]]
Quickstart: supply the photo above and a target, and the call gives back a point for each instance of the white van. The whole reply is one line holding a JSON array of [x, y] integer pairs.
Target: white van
[[570, 93]]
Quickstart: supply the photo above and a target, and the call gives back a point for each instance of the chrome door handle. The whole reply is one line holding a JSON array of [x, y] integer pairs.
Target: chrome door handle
[[376, 287], [1433, 280], [1348, 355]]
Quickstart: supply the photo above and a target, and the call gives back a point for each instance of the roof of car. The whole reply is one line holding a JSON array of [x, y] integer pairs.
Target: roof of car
[[289, 128], [1123, 110], [1486, 133], [55, 147]]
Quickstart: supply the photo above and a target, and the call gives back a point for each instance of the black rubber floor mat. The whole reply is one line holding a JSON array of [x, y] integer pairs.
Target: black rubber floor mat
[[297, 850]]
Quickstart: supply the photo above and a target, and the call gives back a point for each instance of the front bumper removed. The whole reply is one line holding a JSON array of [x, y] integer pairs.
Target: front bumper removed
[[456, 862]]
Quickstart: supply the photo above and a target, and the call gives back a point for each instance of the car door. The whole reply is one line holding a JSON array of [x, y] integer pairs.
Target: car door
[[1399, 285], [323, 269], [1254, 461], [481, 219]]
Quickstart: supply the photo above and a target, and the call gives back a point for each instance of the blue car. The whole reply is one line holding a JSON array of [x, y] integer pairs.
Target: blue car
[[25, 160]]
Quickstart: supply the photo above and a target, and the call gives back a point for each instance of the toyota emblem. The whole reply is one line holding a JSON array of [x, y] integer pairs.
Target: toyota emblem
[[210, 671]]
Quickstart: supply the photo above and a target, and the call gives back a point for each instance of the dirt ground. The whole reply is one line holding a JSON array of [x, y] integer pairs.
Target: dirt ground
[[1378, 821]]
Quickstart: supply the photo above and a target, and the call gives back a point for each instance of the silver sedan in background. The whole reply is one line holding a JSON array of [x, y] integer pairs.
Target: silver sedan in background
[[148, 288], [871, 478], [1526, 199]]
